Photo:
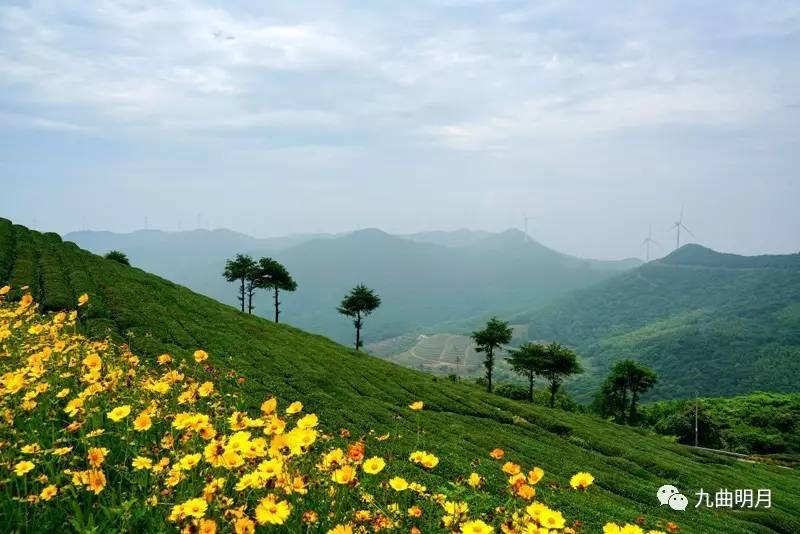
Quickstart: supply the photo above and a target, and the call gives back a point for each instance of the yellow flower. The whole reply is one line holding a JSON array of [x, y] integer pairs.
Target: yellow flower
[[23, 467], [272, 511], [475, 480], [96, 480], [205, 389], [344, 475], [200, 356], [189, 461], [119, 413], [510, 468], [164, 359], [429, 461], [62, 451], [208, 526], [142, 462], [476, 527], [581, 481], [195, 508], [48, 492], [97, 455], [294, 408], [308, 421], [551, 519], [373, 465], [142, 422], [33, 448], [341, 529], [244, 525], [497, 454], [398, 484], [535, 475], [4, 290], [416, 406], [83, 299]]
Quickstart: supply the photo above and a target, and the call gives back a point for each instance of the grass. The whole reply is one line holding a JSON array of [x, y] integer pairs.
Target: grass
[[366, 394]]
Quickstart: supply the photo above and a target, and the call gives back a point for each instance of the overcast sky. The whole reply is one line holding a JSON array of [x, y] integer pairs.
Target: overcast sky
[[597, 119]]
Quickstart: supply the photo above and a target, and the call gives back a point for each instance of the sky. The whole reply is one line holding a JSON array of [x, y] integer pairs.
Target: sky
[[598, 120]]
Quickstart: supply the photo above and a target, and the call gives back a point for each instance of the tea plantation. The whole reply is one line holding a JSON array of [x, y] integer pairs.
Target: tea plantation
[[364, 394]]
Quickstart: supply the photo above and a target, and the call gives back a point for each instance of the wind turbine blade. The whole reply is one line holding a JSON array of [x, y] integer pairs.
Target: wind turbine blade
[[690, 232]]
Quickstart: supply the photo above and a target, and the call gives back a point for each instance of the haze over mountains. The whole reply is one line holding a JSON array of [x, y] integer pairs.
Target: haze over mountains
[[707, 322], [424, 279]]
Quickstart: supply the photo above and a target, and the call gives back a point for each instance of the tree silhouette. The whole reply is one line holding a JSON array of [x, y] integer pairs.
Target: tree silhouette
[[525, 361], [359, 303], [557, 363], [117, 256], [270, 274], [626, 377], [238, 269], [496, 334]]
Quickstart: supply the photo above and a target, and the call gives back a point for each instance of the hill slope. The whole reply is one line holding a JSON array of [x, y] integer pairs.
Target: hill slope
[[717, 324], [421, 283], [363, 394]]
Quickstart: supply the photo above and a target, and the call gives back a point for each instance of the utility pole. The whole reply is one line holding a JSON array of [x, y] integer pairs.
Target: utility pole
[[696, 438]]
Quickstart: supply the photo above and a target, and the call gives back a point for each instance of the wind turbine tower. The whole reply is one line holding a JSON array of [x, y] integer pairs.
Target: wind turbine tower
[[649, 240], [677, 226]]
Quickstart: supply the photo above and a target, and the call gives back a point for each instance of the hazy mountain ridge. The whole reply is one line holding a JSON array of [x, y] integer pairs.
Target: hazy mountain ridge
[[421, 283]]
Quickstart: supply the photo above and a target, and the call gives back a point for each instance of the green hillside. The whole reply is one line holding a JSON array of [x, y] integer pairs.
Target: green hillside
[[758, 423], [421, 283], [708, 323], [366, 394]]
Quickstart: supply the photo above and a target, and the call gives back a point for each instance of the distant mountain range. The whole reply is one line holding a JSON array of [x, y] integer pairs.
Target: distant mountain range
[[707, 322], [424, 279]]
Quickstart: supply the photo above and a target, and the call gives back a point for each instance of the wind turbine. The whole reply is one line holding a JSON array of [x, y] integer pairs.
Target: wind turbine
[[526, 223], [649, 240], [677, 225]]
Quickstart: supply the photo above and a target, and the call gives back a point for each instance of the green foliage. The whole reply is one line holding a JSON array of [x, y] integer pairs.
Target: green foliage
[[555, 363], [360, 302], [526, 361], [623, 387], [496, 334], [369, 397], [239, 269], [759, 423], [513, 391], [715, 323], [117, 256], [270, 274]]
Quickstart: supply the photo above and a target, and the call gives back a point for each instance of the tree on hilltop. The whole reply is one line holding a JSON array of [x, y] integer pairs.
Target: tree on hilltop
[[239, 269], [117, 256], [526, 361], [271, 275], [359, 303], [557, 362], [496, 334], [620, 392]]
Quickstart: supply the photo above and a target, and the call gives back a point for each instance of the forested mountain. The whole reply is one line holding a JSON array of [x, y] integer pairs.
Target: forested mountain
[[708, 323]]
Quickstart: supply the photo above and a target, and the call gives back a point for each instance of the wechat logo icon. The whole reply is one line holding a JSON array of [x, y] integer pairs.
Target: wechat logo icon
[[671, 496]]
